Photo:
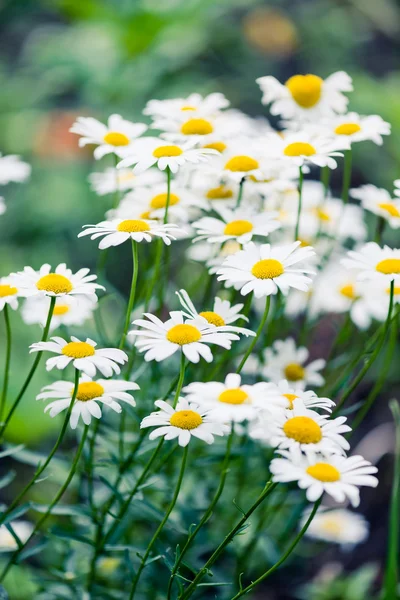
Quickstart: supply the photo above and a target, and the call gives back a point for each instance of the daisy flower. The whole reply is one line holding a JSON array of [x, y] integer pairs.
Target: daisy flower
[[287, 361], [306, 97], [160, 340], [374, 263], [67, 311], [83, 355], [303, 429], [9, 293], [89, 395], [117, 137], [231, 400], [123, 180], [13, 169], [165, 155], [23, 530], [302, 147], [378, 201], [338, 476], [285, 394], [223, 313], [60, 282], [199, 129], [213, 190], [183, 422], [245, 158], [118, 231], [266, 269], [338, 526], [240, 225], [194, 104], [356, 128]]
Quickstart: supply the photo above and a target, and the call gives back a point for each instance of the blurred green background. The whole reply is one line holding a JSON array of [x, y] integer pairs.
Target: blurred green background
[[63, 58]]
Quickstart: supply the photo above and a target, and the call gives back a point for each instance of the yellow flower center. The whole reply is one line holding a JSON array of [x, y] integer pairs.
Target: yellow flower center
[[185, 108], [389, 266], [303, 430], [218, 146], [347, 129], [348, 291], [219, 193], [61, 309], [294, 372], [238, 227], [241, 163], [322, 215], [186, 419], [146, 214], [299, 149], [7, 290], [89, 390], [396, 290], [78, 350], [160, 201], [390, 208], [268, 268], [183, 334], [115, 138], [167, 151], [213, 318], [331, 526], [291, 398], [197, 127], [305, 89], [133, 226], [125, 176], [57, 284], [324, 472], [233, 396]]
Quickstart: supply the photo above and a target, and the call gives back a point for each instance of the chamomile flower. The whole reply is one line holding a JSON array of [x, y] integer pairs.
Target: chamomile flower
[[303, 429], [223, 313], [160, 340], [199, 129], [118, 231], [338, 526], [357, 128], [193, 105], [213, 190], [183, 422], [378, 201], [306, 97], [83, 355], [244, 158], [302, 147], [285, 394], [266, 269], [240, 225], [13, 169], [60, 282], [67, 310], [117, 137], [165, 155], [23, 530], [9, 293], [338, 476], [89, 395], [232, 400], [287, 361], [122, 180], [374, 263]]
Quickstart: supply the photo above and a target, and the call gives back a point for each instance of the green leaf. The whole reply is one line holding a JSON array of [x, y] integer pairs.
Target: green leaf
[[17, 512], [62, 509], [28, 552]]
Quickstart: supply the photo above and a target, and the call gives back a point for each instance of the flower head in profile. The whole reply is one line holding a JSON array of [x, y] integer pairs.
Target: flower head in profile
[[89, 396], [68, 310], [378, 201], [338, 476], [84, 356], [287, 361], [9, 293], [374, 263], [60, 282], [118, 231], [186, 420], [285, 394], [267, 269], [117, 137], [160, 340], [13, 169], [338, 526], [193, 105], [306, 97], [302, 147]]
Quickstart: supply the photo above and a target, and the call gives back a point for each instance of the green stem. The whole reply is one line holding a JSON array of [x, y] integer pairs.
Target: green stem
[[168, 195], [301, 178], [325, 179], [348, 159], [33, 368], [218, 551], [180, 380], [259, 331], [240, 192], [135, 270], [207, 514], [380, 228], [52, 504], [161, 525], [288, 552], [7, 363]]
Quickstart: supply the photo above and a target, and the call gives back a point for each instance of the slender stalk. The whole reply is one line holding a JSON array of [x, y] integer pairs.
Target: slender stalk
[[168, 195], [131, 301], [259, 332], [7, 362], [380, 228], [301, 178], [288, 552], [33, 368], [161, 525], [240, 192], [348, 159], [180, 380], [207, 514], [228, 538], [52, 504], [325, 179]]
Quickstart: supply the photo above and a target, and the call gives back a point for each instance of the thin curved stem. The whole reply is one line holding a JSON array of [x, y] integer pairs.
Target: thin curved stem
[[33, 368], [259, 332], [161, 525], [131, 302], [7, 362], [348, 159], [299, 206], [240, 192]]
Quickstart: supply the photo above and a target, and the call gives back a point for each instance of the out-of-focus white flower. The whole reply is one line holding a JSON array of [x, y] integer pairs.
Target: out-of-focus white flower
[[122, 180], [286, 394], [23, 530], [374, 263], [378, 201], [12, 168], [67, 310], [9, 293], [287, 361], [302, 147], [357, 128], [193, 105], [3, 206], [338, 525]]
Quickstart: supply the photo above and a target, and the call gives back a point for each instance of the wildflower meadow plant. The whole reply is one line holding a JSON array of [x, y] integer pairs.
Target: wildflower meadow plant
[[209, 407]]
